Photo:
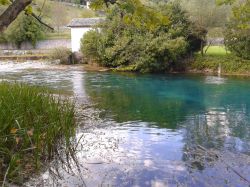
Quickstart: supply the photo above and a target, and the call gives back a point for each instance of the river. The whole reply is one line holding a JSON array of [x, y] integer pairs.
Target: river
[[148, 130]]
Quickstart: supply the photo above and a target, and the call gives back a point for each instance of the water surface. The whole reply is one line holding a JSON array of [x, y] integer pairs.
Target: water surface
[[150, 130]]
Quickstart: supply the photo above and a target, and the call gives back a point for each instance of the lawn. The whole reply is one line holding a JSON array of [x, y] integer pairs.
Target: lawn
[[216, 50]]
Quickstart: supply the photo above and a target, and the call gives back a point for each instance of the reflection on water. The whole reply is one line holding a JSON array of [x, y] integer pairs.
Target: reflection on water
[[151, 130], [215, 80]]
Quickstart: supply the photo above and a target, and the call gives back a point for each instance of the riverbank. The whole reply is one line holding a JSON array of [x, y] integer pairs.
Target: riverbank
[[215, 60], [225, 64]]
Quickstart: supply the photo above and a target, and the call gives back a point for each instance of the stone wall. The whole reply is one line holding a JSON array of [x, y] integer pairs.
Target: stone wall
[[41, 45]]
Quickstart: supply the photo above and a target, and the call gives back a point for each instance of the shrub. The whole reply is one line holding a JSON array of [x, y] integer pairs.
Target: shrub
[[61, 53], [90, 45], [229, 63], [34, 125]]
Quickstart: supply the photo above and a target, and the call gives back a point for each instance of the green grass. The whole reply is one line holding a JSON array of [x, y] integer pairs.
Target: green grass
[[216, 50], [34, 125], [58, 35], [67, 13], [216, 56]]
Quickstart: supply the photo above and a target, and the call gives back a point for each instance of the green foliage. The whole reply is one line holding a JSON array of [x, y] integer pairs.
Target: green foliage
[[221, 2], [90, 44], [230, 64], [25, 29], [237, 33], [34, 125], [142, 38], [4, 2]]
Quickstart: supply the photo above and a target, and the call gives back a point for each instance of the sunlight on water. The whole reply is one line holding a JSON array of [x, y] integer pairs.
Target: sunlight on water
[[215, 80]]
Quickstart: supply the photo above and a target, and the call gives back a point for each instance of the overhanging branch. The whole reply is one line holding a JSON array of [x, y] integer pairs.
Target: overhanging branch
[[11, 13], [40, 21]]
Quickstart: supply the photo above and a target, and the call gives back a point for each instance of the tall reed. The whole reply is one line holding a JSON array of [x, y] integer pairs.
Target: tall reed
[[34, 125]]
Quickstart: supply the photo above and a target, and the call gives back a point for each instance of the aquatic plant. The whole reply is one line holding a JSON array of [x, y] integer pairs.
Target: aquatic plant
[[35, 125]]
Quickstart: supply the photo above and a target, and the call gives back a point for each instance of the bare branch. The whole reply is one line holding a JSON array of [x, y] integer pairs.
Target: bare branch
[[40, 21]]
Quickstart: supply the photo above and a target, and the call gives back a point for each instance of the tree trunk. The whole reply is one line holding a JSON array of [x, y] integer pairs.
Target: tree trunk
[[202, 50], [11, 13]]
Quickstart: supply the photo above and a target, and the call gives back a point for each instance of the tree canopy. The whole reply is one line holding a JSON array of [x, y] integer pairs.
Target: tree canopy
[[237, 33]]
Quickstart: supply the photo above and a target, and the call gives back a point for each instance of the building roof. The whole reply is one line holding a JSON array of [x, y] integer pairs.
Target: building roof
[[85, 22]]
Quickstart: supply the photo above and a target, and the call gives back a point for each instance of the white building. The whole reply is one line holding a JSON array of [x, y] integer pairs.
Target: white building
[[88, 5], [79, 26]]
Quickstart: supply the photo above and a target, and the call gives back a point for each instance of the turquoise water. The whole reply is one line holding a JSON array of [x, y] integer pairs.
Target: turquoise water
[[151, 130], [221, 106]]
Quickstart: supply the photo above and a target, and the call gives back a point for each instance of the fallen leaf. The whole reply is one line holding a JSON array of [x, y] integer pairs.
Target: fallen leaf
[[13, 131]]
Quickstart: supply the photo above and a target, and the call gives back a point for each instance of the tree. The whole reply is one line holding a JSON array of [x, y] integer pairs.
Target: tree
[[237, 33], [25, 29], [14, 9], [135, 37], [11, 13]]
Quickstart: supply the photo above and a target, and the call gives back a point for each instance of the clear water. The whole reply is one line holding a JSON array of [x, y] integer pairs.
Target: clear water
[[150, 130]]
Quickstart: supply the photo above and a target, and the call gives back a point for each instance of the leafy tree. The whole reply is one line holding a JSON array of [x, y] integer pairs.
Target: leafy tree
[[237, 33], [25, 28], [140, 38]]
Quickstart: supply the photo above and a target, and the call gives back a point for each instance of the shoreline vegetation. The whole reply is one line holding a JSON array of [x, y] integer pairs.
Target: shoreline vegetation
[[215, 57], [166, 41], [218, 56], [35, 125]]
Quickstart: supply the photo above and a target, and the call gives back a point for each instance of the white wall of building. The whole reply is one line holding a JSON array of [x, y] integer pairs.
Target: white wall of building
[[88, 5], [76, 36]]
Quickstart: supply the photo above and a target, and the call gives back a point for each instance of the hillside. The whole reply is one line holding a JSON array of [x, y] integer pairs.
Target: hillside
[[58, 15]]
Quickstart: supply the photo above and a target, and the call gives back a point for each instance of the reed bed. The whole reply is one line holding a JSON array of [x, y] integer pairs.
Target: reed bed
[[34, 126]]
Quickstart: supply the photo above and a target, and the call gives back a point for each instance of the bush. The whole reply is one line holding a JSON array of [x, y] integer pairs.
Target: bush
[[34, 125], [156, 42], [90, 45], [229, 63], [61, 53]]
